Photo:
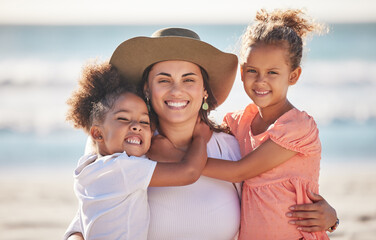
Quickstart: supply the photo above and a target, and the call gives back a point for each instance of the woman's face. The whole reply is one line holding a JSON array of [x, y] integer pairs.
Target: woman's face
[[176, 90]]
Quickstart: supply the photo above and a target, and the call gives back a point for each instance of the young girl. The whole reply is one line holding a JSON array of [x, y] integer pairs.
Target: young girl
[[111, 184], [272, 133]]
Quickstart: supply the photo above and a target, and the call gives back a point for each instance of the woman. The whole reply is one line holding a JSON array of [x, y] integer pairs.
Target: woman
[[182, 76]]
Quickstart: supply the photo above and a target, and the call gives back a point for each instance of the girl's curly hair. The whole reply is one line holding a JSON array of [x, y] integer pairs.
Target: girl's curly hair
[[98, 88], [282, 27]]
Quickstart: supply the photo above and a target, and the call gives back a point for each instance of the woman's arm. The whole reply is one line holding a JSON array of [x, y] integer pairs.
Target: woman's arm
[[267, 156], [313, 217], [189, 169]]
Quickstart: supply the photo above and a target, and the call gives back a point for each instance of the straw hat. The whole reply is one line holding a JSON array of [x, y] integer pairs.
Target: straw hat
[[133, 56]]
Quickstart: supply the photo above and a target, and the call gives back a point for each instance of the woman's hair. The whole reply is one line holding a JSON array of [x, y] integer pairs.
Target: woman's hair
[[99, 87], [204, 114], [284, 28]]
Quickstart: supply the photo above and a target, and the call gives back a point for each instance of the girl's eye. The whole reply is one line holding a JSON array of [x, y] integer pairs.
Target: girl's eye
[[123, 119], [251, 71], [272, 72], [145, 122]]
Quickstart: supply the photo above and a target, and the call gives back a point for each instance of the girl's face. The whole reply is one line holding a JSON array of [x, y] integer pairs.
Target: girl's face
[[267, 74], [126, 127], [176, 90]]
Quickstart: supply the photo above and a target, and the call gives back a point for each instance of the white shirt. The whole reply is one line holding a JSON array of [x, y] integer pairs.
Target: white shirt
[[112, 194], [208, 209]]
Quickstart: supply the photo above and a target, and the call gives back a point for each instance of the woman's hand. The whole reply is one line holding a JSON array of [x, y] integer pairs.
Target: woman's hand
[[76, 236], [313, 217]]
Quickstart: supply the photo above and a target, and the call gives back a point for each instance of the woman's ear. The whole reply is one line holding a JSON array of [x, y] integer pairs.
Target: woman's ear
[[146, 90], [96, 134], [206, 93], [294, 76]]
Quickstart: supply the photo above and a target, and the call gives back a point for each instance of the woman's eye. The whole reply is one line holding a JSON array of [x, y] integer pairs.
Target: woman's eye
[[163, 81], [189, 80]]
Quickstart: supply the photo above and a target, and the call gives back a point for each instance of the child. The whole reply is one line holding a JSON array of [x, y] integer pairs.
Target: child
[[272, 133], [111, 185]]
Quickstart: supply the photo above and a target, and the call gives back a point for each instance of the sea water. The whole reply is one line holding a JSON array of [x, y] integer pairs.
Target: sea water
[[39, 67]]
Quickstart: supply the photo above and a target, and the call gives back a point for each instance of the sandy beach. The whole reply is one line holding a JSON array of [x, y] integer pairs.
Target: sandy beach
[[39, 204]]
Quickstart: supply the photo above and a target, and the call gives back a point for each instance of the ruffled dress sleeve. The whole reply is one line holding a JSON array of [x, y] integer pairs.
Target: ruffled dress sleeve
[[296, 131]]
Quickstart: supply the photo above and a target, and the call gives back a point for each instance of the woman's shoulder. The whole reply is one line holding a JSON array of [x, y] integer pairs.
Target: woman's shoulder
[[227, 145]]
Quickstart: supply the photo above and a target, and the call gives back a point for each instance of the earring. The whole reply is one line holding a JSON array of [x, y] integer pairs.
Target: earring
[[205, 105]]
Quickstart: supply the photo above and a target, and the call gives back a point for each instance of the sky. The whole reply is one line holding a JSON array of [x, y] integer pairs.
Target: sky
[[61, 12]]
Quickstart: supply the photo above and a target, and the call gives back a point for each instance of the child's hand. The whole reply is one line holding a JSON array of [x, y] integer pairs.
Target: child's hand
[[162, 150], [202, 130]]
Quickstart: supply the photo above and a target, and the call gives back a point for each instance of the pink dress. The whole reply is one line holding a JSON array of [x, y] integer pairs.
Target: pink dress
[[267, 197]]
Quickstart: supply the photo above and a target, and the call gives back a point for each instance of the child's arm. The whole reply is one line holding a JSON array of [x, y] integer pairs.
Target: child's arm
[[267, 156], [189, 169]]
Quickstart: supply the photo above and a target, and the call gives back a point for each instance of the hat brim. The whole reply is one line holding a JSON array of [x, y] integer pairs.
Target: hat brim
[[133, 56]]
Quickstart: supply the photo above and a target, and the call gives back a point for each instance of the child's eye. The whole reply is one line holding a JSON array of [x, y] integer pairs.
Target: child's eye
[[251, 71], [123, 119], [272, 72], [145, 122]]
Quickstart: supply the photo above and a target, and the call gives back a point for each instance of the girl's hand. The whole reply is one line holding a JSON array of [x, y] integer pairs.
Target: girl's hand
[[313, 217], [202, 130]]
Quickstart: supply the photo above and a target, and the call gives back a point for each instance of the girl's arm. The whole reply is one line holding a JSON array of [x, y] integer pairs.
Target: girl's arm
[[267, 156], [189, 169]]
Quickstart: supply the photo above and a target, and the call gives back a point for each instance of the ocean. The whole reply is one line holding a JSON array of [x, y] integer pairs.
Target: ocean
[[39, 67]]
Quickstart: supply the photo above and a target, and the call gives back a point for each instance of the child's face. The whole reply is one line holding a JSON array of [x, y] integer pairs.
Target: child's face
[[266, 75], [126, 127]]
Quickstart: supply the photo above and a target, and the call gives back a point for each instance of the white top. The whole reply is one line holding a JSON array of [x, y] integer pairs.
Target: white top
[[112, 195], [208, 209]]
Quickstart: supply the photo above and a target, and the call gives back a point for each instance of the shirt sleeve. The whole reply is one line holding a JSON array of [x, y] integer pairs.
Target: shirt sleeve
[[129, 173], [74, 226], [231, 120], [297, 132]]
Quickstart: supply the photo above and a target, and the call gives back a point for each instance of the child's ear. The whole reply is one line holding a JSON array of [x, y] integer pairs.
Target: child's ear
[[294, 76], [96, 134], [241, 72]]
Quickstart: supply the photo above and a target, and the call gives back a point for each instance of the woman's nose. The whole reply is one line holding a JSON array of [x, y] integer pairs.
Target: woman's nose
[[176, 89]]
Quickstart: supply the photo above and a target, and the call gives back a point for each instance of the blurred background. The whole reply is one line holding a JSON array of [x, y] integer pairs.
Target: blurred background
[[44, 44]]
